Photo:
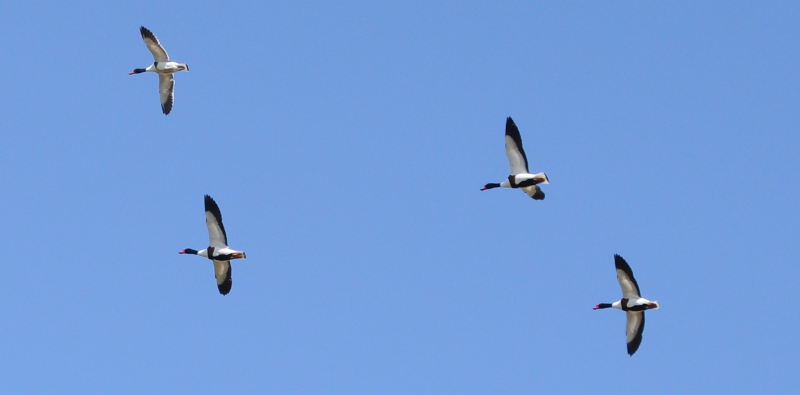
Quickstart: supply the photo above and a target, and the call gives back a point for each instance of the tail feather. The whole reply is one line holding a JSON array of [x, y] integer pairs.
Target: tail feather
[[542, 176]]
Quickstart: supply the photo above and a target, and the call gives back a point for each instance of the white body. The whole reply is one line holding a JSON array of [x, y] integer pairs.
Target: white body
[[166, 67], [163, 67], [522, 177], [218, 250], [631, 303], [519, 176]]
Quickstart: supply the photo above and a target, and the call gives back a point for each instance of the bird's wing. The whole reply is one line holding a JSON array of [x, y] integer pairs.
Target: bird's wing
[[633, 329], [222, 271], [159, 53], [216, 231], [630, 289], [166, 87], [534, 191], [517, 160]]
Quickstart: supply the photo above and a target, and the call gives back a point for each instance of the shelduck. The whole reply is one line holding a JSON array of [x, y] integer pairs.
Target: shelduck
[[218, 250], [163, 66], [631, 303], [519, 176]]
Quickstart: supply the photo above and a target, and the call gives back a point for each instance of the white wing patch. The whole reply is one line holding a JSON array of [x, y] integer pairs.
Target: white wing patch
[[221, 269], [634, 329], [216, 238], [516, 157], [531, 190], [166, 88], [634, 319], [159, 53], [629, 288]]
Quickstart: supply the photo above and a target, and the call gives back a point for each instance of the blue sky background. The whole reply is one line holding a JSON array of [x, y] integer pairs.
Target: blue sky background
[[346, 143]]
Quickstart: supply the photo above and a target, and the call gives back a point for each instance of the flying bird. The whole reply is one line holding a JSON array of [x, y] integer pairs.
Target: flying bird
[[217, 250], [519, 176], [162, 66], [632, 304]]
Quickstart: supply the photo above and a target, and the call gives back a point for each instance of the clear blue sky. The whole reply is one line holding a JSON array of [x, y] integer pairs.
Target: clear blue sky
[[346, 143]]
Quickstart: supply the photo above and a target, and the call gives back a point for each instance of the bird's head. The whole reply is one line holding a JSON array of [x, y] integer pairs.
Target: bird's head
[[602, 306], [489, 186], [137, 71], [188, 251]]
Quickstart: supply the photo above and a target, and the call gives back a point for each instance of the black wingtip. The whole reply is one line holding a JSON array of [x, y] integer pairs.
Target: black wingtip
[[513, 132], [210, 204], [510, 125], [633, 346], [620, 263], [226, 285], [146, 33], [225, 288], [637, 340]]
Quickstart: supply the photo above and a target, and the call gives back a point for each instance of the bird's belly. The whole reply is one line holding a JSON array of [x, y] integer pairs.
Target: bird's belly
[[520, 180], [640, 304], [227, 254], [166, 68]]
